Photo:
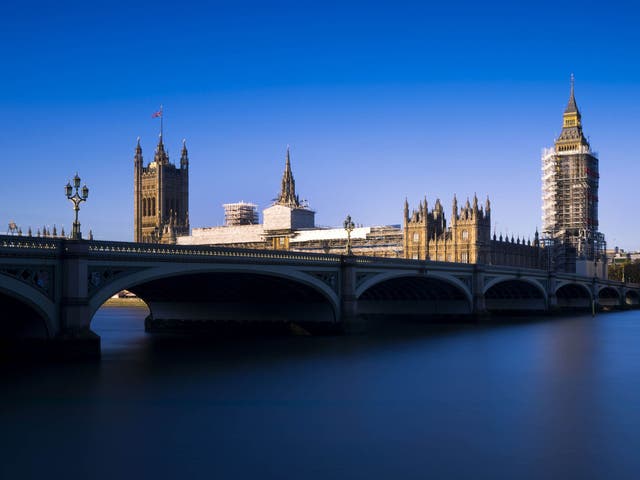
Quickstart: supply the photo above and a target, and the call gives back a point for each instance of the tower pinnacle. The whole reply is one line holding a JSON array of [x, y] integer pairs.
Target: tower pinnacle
[[161, 156], [288, 195], [184, 157]]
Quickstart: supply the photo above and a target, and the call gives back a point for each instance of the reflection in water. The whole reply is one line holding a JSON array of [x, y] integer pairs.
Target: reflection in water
[[549, 399]]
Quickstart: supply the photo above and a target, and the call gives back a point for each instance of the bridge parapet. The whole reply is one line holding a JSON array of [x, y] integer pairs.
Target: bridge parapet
[[98, 248], [10, 244]]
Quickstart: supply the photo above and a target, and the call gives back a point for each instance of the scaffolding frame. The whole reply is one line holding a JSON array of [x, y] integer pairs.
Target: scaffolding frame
[[240, 213], [570, 206]]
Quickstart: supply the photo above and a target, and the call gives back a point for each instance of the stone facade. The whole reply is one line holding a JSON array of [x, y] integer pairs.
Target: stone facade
[[467, 239], [161, 196]]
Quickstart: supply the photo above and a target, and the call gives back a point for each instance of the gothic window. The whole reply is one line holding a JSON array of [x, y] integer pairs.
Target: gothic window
[[153, 206], [465, 234], [415, 256], [465, 257], [416, 237]]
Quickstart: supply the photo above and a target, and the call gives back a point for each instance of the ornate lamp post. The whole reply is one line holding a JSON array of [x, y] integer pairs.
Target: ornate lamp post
[[76, 198], [349, 226]]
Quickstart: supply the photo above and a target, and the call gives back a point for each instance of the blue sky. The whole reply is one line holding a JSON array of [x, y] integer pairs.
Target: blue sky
[[378, 102]]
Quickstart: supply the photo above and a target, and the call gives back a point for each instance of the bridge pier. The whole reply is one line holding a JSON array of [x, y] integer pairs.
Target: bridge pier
[[74, 337], [552, 298], [479, 307], [351, 321]]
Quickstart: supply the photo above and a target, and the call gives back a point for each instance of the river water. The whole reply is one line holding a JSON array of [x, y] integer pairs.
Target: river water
[[555, 398]]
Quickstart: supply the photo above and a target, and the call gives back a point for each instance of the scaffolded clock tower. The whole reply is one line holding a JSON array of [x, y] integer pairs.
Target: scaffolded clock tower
[[570, 197]]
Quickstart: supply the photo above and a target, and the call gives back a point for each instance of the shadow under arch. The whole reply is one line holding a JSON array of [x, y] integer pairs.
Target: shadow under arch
[[631, 298], [573, 296], [21, 319], [211, 297], [22, 302], [413, 295], [515, 295], [608, 297]]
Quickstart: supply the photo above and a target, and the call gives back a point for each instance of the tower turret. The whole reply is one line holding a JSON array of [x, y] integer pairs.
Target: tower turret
[[137, 158], [454, 210], [161, 157], [184, 156]]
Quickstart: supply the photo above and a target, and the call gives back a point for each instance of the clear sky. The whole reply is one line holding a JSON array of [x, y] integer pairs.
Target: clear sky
[[379, 101]]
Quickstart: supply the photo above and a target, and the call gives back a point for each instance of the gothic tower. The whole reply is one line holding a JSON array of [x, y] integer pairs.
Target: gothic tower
[[161, 196], [570, 193]]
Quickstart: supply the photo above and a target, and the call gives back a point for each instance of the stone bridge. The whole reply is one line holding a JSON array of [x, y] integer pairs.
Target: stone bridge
[[51, 288]]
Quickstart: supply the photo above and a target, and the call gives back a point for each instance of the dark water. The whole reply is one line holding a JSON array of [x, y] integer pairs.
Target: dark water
[[552, 399]]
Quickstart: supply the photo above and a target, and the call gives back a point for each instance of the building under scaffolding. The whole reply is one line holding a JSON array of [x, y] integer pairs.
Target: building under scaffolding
[[570, 199], [240, 213]]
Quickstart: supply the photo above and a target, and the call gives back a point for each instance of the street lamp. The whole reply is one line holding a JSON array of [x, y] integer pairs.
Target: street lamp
[[349, 226], [76, 198]]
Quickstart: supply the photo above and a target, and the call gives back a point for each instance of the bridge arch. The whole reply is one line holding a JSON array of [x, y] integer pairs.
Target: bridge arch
[[632, 298], [405, 293], [608, 296], [290, 280], [513, 293], [31, 313], [573, 295]]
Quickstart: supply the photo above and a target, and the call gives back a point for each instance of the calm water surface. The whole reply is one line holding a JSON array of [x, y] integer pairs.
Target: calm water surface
[[550, 399]]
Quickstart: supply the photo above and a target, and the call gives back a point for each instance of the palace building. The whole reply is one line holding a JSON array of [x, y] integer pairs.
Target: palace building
[[467, 239], [161, 196], [570, 180], [570, 243]]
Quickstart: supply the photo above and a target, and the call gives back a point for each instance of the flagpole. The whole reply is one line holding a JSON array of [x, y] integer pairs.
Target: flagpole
[[161, 120]]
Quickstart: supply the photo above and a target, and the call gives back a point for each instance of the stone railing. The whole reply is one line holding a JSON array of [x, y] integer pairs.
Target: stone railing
[[15, 242], [159, 250]]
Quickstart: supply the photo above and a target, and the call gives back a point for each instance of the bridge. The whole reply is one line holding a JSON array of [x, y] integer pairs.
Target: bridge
[[50, 288]]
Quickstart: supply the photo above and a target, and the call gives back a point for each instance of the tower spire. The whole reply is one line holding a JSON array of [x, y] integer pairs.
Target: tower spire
[[572, 107], [571, 137], [184, 157], [288, 195]]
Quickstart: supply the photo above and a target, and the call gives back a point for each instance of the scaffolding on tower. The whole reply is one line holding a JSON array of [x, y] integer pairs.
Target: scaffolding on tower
[[240, 213]]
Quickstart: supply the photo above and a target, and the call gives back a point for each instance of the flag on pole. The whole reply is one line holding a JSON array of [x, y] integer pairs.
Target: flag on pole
[[157, 114]]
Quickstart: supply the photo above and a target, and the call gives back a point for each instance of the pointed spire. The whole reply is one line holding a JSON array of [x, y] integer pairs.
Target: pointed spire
[[288, 187], [487, 207], [137, 158], [161, 156], [184, 156], [572, 107], [406, 209]]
